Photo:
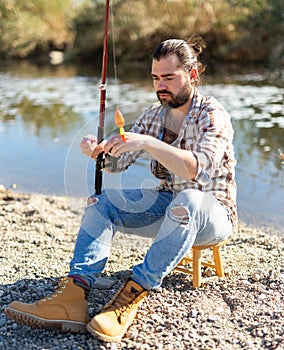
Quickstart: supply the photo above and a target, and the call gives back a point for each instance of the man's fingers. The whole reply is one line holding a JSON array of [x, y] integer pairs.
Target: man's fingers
[[114, 141], [98, 149]]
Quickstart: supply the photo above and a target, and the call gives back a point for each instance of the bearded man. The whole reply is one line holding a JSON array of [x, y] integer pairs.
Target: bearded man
[[189, 138]]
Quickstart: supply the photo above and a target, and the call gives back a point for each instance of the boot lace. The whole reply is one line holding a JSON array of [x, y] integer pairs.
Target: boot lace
[[122, 304], [58, 291]]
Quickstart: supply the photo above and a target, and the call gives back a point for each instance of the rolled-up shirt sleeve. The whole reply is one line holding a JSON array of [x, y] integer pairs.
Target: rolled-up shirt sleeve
[[209, 148]]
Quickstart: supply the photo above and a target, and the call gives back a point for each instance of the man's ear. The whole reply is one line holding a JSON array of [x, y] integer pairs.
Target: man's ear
[[193, 75]]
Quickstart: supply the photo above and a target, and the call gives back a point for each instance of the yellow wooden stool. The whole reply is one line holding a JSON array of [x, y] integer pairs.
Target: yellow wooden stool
[[196, 263]]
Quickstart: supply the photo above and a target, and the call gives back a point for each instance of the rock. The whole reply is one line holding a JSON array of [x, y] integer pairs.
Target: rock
[[193, 313], [255, 277], [208, 272], [156, 318]]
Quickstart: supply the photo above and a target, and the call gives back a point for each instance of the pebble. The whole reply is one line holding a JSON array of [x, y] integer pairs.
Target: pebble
[[255, 277], [193, 313], [241, 311], [156, 318]]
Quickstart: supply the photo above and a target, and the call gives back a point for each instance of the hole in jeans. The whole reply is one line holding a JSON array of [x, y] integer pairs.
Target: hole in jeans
[[180, 213], [92, 200]]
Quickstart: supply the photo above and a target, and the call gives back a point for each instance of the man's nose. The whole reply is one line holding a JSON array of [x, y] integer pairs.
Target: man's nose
[[162, 85]]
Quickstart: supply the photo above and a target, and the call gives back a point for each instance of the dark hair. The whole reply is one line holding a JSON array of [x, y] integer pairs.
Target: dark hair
[[186, 51]]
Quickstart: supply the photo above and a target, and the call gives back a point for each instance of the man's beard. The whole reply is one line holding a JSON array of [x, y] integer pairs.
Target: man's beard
[[176, 100]]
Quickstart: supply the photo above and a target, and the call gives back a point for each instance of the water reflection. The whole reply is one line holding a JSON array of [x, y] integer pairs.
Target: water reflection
[[262, 141], [45, 111], [258, 119], [57, 117]]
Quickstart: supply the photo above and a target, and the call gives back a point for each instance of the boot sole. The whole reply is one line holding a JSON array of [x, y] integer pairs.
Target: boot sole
[[37, 322], [105, 337]]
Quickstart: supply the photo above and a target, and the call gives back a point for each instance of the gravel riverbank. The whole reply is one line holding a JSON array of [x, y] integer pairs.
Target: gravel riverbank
[[243, 311]]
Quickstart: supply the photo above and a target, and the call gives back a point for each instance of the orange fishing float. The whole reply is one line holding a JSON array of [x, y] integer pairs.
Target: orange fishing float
[[120, 122]]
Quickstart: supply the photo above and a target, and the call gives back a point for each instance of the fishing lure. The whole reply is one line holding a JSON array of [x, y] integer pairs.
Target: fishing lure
[[120, 122]]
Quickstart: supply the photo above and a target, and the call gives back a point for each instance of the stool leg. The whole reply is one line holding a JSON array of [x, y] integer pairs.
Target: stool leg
[[196, 268], [218, 261]]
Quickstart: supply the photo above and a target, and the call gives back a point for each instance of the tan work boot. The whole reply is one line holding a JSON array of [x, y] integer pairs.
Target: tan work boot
[[65, 309], [114, 319]]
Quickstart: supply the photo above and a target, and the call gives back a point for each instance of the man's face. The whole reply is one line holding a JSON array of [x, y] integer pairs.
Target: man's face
[[172, 84]]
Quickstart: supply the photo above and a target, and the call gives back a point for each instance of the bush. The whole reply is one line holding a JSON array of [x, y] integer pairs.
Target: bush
[[26, 26]]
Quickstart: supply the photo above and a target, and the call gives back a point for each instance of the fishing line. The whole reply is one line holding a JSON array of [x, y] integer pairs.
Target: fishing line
[[118, 117], [113, 45]]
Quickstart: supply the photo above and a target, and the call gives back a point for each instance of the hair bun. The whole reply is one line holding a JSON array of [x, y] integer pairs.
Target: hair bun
[[196, 43], [197, 49]]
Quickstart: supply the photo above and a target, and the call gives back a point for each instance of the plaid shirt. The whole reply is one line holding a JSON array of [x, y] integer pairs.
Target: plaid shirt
[[207, 132]]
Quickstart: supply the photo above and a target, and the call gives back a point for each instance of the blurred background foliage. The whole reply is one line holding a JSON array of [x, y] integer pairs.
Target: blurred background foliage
[[29, 27], [239, 31]]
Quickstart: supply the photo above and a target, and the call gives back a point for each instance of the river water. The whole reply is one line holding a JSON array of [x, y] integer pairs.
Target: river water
[[45, 111]]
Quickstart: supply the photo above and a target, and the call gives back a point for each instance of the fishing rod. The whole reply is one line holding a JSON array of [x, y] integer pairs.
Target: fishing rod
[[100, 133]]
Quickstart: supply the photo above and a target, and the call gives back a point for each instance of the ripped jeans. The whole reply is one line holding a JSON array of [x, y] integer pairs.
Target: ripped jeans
[[176, 224]]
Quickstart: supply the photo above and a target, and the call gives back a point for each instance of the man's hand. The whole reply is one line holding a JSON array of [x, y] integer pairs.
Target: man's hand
[[181, 162], [90, 147], [133, 142]]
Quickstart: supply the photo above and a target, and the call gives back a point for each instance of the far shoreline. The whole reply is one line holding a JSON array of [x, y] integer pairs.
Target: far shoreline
[[254, 221]]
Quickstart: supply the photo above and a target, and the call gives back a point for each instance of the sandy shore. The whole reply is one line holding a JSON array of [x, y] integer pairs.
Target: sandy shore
[[243, 311]]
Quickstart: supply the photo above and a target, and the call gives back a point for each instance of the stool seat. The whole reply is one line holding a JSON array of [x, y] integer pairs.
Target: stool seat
[[196, 263]]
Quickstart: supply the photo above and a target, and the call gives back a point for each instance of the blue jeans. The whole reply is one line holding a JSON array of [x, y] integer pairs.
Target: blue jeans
[[175, 222]]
